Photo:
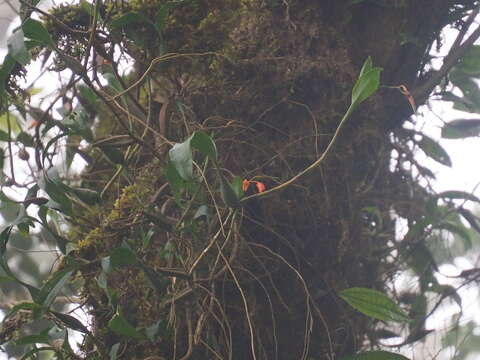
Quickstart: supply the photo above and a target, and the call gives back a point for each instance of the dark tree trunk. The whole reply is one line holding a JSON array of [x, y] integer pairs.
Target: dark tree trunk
[[272, 91]]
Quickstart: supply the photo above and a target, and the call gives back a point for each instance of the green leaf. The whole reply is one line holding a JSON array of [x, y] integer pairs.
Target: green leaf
[[70, 322], [4, 238], [204, 143], [470, 62], [374, 304], [15, 127], [366, 67], [229, 196], [118, 257], [175, 180], [51, 184], [88, 196], [181, 157], [17, 48], [79, 123], [34, 29], [29, 306], [457, 229], [33, 339], [4, 136], [237, 186], [376, 355], [7, 67], [25, 139], [367, 83], [53, 286], [120, 326], [131, 17], [461, 128], [113, 154], [432, 149], [457, 194], [87, 7], [122, 256]]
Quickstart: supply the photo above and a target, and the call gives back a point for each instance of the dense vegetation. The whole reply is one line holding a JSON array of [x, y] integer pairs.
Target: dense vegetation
[[246, 164]]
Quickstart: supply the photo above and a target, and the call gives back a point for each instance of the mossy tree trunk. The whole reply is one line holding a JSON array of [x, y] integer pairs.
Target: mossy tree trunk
[[270, 81]]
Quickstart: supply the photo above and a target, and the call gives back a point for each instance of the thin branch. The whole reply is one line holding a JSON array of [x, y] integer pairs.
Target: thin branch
[[422, 92]]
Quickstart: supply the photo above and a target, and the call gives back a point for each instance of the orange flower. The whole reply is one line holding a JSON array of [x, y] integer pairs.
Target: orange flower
[[245, 185], [259, 185]]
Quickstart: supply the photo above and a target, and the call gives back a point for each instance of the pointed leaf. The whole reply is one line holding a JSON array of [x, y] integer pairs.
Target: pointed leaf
[[34, 29], [457, 229], [53, 286], [204, 143], [373, 303], [366, 67], [456, 194], [88, 196], [432, 149], [367, 83], [70, 322], [461, 128]]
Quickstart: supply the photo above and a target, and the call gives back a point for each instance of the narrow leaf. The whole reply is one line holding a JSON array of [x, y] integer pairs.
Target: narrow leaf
[[457, 194], [373, 303], [434, 150], [33, 339], [461, 128], [53, 286], [70, 322], [457, 229]]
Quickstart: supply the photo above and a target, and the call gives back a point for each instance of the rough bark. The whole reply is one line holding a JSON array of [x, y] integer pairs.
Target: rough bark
[[273, 88]]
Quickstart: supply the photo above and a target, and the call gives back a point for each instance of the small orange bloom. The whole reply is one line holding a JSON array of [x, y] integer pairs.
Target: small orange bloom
[[259, 185], [245, 185]]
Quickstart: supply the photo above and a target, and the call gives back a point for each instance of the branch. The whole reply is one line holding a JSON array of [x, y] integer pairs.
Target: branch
[[456, 52]]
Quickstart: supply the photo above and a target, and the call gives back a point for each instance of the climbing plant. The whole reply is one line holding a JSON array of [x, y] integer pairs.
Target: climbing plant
[[225, 179]]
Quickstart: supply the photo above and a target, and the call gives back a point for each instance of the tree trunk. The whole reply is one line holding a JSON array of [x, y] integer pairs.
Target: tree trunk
[[270, 81]]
